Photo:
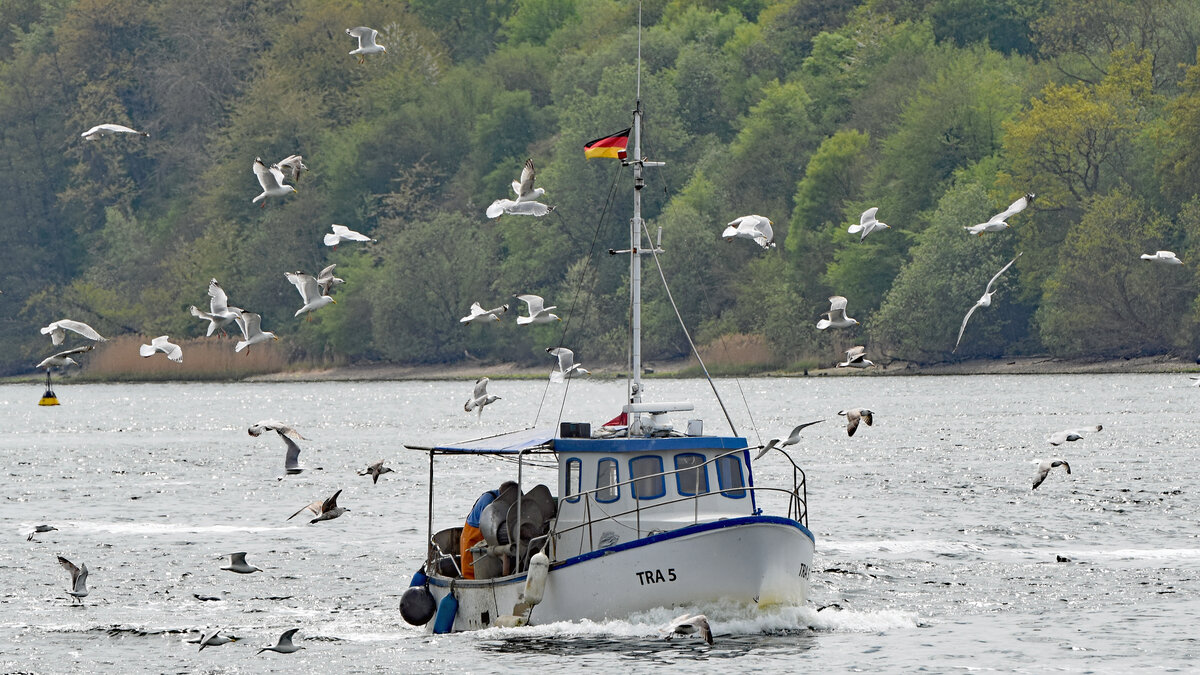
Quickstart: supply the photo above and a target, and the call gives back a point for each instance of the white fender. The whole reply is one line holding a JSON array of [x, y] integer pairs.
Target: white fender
[[535, 579]]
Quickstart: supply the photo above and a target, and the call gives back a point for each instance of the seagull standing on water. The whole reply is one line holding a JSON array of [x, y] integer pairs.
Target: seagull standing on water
[[984, 301], [366, 43], [853, 416], [1044, 466], [1162, 257], [867, 224], [480, 315], [57, 333], [79, 575], [220, 314], [161, 344], [271, 180], [836, 316], [538, 312], [526, 203], [1070, 435], [688, 624], [480, 397], [237, 563], [755, 228], [284, 645], [291, 462], [108, 129], [999, 221], [781, 443], [310, 292]]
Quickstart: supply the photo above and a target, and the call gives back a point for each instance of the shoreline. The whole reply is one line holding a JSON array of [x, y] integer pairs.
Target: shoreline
[[1039, 365]]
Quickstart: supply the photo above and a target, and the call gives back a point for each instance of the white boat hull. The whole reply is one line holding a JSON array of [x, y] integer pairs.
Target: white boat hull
[[755, 560]]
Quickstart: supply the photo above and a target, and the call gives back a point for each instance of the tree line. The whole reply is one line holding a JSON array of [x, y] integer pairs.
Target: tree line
[[938, 112]]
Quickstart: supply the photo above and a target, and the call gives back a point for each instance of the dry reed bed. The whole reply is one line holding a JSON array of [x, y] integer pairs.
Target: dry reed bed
[[203, 359]]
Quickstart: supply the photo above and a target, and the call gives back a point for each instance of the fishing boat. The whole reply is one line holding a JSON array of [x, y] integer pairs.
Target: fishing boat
[[642, 515]]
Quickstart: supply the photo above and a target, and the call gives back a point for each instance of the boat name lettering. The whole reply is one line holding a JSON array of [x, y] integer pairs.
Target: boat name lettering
[[803, 570], [656, 576]]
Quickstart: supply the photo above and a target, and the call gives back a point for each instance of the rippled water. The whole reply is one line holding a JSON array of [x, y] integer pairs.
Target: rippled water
[[930, 543]]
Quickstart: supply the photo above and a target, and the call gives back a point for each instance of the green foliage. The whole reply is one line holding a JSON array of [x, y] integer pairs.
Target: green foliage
[[922, 313], [939, 112], [1103, 301]]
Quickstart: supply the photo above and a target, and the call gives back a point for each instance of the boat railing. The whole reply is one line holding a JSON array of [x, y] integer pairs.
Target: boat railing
[[797, 500]]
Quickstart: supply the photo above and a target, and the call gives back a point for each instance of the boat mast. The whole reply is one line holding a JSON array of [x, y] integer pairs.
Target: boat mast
[[635, 241]]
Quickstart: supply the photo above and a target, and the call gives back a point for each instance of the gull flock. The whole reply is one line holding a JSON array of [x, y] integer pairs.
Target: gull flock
[[278, 180]]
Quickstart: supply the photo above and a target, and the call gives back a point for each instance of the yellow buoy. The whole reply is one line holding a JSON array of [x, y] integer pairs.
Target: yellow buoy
[[48, 399]]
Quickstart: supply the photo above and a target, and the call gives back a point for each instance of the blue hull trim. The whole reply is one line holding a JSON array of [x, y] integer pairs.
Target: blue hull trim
[[645, 541]]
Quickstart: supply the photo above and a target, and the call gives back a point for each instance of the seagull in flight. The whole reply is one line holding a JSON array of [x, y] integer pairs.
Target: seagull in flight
[[327, 281], [999, 221], [57, 333], [688, 624], [310, 292], [1162, 257], [79, 576], [755, 228], [366, 43], [867, 224], [237, 563], [284, 645], [63, 359], [538, 312], [251, 323], [291, 462], [1044, 467], [220, 314], [324, 510], [480, 398], [781, 443], [342, 233], [101, 130], [567, 367], [162, 344], [856, 357], [836, 316], [853, 416], [526, 203], [480, 315], [984, 301], [214, 638], [41, 529], [271, 180], [375, 471], [291, 167], [1069, 435]]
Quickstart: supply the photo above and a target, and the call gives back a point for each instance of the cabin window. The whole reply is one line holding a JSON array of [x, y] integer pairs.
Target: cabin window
[[646, 484], [729, 477], [691, 474], [574, 478], [607, 489]]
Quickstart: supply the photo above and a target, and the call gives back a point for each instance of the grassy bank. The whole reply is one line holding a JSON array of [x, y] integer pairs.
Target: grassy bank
[[212, 358]]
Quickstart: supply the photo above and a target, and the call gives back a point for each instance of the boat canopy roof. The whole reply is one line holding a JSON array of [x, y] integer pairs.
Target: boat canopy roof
[[509, 443], [653, 444]]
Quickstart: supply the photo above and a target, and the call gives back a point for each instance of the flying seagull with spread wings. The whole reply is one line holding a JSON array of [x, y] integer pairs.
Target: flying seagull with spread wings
[[984, 301]]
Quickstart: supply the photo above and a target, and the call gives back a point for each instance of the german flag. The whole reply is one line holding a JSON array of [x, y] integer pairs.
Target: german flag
[[609, 146]]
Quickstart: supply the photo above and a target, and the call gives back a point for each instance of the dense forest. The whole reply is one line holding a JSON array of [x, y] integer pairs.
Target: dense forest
[[938, 112]]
